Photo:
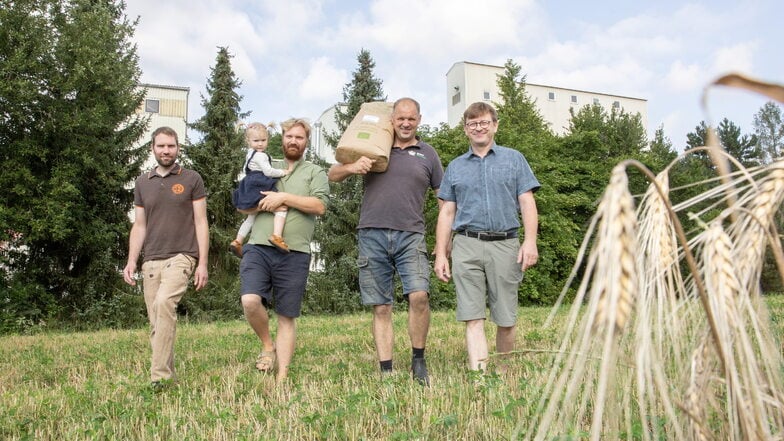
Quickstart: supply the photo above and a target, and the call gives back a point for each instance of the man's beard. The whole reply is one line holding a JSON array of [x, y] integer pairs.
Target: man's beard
[[164, 164], [293, 154]]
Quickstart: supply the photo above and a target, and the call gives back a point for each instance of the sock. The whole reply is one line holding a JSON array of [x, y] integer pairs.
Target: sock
[[386, 365], [418, 352]]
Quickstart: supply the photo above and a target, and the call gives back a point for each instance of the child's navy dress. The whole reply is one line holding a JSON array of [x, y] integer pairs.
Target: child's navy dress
[[248, 192]]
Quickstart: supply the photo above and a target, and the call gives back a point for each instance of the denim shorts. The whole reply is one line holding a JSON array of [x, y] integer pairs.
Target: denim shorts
[[382, 252], [278, 278]]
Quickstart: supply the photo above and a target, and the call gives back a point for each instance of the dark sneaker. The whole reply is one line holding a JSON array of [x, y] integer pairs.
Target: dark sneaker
[[161, 385], [419, 371]]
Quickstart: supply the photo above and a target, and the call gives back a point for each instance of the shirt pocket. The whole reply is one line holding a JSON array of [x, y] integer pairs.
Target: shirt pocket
[[501, 173]]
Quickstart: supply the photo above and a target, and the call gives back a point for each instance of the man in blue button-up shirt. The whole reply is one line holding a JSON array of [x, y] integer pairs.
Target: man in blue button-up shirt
[[483, 191]]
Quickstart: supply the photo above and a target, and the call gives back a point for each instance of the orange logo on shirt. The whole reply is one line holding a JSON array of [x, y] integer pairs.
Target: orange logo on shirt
[[178, 189]]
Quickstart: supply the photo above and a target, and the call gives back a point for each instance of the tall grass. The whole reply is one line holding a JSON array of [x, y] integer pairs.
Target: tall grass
[[85, 386], [96, 386]]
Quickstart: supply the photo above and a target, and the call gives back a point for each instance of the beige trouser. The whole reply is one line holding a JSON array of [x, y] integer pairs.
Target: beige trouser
[[165, 282]]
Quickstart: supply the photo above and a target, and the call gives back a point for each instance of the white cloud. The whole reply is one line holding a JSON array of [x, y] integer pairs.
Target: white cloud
[[737, 57], [431, 32], [295, 57], [323, 81], [682, 77]]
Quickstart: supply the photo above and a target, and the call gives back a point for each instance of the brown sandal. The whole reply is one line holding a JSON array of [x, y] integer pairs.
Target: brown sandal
[[266, 361]]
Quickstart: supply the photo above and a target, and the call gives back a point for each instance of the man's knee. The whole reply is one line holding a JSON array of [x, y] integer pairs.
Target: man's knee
[[382, 311], [418, 300], [250, 302]]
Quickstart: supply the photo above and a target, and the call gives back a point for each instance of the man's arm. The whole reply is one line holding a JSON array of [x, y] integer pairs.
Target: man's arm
[[203, 239], [528, 254], [446, 217], [135, 243], [306, 204], [339, 172]]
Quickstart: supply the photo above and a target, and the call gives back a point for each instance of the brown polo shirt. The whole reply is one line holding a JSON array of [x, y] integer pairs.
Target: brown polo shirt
[[168, 208]]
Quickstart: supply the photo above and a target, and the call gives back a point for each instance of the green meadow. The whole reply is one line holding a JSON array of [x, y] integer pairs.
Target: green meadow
[[74, 386]]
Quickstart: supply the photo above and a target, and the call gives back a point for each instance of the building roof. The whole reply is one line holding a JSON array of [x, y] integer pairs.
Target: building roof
[[163, 86]]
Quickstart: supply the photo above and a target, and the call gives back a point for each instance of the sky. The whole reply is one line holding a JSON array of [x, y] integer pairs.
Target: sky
[[294, 57]]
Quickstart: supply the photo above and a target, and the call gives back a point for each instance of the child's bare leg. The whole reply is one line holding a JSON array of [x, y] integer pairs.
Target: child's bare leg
[[277, 230], [279, 221]]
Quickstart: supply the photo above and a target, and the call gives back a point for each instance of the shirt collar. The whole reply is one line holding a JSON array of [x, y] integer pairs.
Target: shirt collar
[[470, 151], [176, 170], [417, 145]]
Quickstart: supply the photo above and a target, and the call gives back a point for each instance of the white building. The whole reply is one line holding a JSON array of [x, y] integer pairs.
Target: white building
[[468, 82], [324, 125], [166, 106]]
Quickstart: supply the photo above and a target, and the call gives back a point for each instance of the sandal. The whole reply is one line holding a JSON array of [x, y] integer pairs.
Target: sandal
[[266, 361]]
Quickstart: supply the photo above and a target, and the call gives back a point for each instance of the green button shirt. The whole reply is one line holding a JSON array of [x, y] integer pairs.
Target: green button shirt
[[307, 179]]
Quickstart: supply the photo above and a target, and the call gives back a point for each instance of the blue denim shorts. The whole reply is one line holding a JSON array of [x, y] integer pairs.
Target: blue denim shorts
[[382, 252], [278, 278]]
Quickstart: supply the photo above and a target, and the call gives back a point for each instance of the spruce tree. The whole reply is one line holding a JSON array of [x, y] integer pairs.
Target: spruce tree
[[68, 130], [218, 157], [335, 287]]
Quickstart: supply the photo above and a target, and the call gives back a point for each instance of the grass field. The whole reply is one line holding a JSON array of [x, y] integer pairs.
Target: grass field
[[96, 386]]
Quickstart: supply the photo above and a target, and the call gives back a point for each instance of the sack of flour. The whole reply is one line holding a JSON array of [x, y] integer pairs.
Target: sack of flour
[[369, 134]]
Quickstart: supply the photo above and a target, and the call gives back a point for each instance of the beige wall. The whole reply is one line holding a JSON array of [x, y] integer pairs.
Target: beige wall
[[172, 112]]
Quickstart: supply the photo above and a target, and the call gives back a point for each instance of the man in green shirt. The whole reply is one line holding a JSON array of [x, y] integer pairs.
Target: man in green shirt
[[269, 276]]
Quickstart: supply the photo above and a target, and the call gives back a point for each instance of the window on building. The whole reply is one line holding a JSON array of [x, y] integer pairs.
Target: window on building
[[574, 99], [596, 101], [551, 96], [487, 95], [616, 105], [152, 106], [456, 99]]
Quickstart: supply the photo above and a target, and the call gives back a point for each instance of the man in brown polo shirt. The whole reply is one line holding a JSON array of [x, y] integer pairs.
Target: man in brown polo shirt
[[171, 229]]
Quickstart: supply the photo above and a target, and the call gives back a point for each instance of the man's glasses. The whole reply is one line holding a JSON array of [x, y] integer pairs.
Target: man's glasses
[[473, 125]]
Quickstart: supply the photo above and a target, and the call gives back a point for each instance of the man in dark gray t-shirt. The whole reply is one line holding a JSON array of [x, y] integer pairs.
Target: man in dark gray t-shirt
[[392, 234]]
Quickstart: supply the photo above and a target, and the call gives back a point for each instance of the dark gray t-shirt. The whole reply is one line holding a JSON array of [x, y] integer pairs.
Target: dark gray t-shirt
[[395, 199]]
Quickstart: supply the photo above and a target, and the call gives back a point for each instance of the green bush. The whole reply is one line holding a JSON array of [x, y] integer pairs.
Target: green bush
[[25, 308]]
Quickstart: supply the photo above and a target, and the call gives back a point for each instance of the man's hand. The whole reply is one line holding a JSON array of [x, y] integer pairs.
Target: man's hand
[[528, 254], [129, 272], [361, 166], [272, 200], [441, 268], [200, 277]]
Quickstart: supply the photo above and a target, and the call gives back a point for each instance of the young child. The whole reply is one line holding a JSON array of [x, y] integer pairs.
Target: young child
[[259, 176]]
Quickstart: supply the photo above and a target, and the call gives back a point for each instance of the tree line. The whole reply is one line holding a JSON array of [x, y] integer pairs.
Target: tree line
[[69, 149]]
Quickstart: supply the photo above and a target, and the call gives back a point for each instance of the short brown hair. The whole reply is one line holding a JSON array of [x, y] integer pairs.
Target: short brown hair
[[293, 122], [478, 109], [165, 131]]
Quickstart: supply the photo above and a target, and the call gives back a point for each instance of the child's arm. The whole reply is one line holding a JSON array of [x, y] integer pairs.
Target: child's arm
[[260, 162]]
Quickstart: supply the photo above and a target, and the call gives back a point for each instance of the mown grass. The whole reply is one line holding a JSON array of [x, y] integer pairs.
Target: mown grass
[[95, 385]]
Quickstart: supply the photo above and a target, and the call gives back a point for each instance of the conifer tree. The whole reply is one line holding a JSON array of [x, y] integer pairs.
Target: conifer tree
[[68, 133], [218, 156]]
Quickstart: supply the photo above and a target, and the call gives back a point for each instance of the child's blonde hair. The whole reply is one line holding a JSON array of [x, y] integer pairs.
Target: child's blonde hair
[[259, 127]]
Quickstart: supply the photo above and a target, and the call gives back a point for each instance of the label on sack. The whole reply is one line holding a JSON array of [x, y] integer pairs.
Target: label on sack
[[373, 119]]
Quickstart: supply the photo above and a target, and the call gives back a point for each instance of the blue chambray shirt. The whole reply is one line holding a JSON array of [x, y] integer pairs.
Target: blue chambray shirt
[[486, 189]]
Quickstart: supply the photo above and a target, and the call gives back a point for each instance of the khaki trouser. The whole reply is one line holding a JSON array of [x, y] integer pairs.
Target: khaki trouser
[[165, 282]]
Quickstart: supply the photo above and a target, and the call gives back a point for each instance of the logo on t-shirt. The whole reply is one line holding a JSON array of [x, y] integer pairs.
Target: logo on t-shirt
[[178, 189]]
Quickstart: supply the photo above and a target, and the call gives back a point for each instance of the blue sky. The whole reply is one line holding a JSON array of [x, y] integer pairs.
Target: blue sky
[[294, 57]]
